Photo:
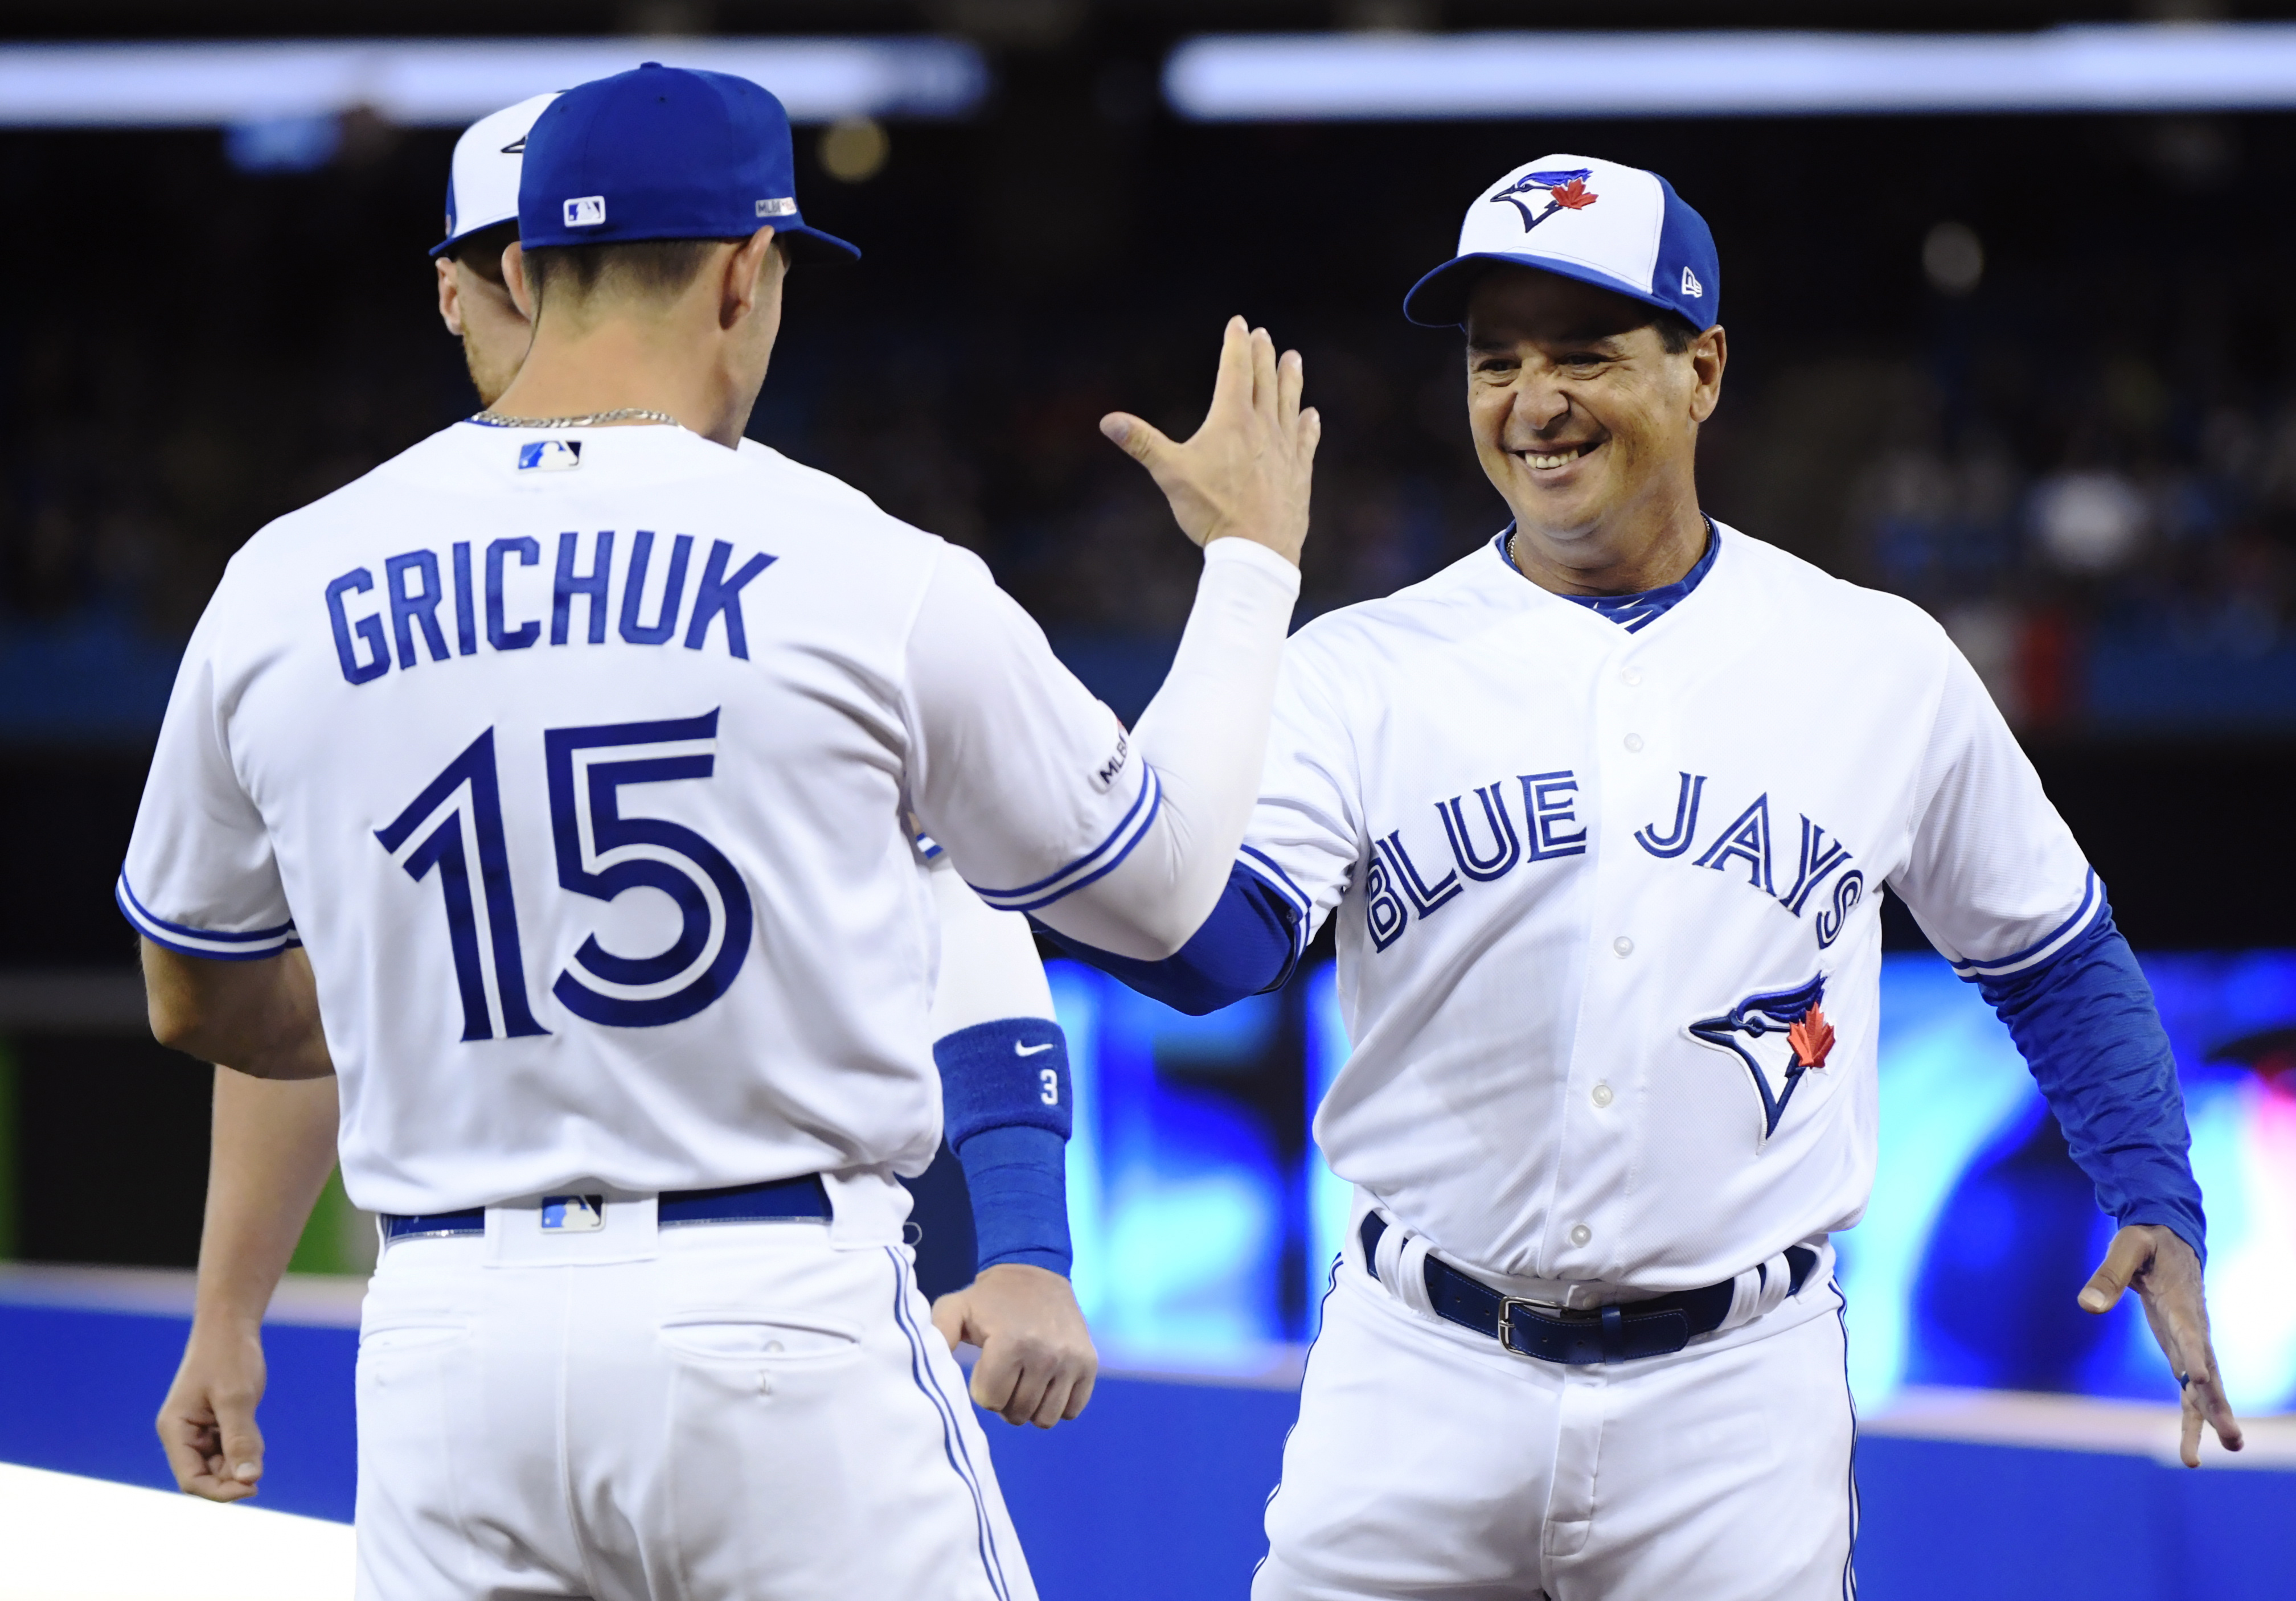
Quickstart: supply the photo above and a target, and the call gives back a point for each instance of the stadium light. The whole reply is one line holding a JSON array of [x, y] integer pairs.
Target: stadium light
[[448, 82], [2141, 67]]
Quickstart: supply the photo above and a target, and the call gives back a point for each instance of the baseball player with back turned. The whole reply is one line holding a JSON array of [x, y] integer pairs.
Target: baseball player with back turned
[[1605, 811], [273, 1142], [583, 758]]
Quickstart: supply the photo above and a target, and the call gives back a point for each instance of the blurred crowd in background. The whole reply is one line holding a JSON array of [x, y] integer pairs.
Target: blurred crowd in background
[[2066, 426]]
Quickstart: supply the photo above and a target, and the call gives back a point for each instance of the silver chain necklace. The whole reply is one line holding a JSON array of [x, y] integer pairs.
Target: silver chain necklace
[[628, 414]]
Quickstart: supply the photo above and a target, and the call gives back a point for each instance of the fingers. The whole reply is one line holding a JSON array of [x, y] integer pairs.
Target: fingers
[[995, 1375], [1232, 386], [1137, 437], [1265, 388], [2130, 1250], [948, 1316], [1290, 376], [1308, 433], [242, 1442], [1080, 1396], [188, 1445]]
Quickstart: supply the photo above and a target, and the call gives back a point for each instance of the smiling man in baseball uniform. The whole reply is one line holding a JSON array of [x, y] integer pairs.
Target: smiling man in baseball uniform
[[1605, 811], [585, 757]]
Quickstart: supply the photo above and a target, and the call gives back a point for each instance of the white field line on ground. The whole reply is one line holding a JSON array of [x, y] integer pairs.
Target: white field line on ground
[[69, 1539]]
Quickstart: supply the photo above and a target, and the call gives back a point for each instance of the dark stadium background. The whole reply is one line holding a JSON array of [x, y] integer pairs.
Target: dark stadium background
[[188, 349]]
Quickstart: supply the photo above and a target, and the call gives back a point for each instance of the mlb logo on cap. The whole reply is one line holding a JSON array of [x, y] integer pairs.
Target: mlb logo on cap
[[1618, 228], [587, 211]]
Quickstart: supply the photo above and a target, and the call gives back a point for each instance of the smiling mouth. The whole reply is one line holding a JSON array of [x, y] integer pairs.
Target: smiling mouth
[[1547, 460]]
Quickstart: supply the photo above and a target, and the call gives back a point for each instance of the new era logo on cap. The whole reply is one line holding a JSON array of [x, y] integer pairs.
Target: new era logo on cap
[[587, 211], [1690, 286]]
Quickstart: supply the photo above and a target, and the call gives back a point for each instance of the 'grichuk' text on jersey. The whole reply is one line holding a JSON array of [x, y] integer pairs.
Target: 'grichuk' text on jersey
[[1608, 901]]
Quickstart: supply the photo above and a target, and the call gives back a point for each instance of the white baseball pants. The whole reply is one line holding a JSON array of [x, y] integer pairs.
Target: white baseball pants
[[734, 1411], [1427, 1462]]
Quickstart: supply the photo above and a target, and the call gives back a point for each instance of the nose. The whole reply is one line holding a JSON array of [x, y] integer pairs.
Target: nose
[[1539, 407]]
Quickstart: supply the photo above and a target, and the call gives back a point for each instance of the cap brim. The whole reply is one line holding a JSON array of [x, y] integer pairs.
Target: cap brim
[[1440, 299], [467, 234], [811, 244]]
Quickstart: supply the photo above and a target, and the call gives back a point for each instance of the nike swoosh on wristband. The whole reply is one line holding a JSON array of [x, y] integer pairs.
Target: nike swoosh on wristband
[[1019, 1050]]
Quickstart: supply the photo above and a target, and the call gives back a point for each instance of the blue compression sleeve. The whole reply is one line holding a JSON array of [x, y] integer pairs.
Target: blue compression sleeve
[[1249, 944], [2087, 1029], [1004, 1099]]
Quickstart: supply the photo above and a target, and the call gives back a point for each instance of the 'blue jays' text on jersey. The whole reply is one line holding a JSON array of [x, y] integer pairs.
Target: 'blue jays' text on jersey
[[1609, 899], [583, 765]]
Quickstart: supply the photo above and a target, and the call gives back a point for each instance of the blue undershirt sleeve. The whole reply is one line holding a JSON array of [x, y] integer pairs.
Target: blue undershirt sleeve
[[1249, 944], [2087, 1029], [1004, 1101]]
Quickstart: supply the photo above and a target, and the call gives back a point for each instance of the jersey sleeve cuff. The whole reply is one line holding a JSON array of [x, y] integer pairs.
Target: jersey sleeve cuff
[[211, 944], [1235, 547], [1094, 864], [2046, 949]]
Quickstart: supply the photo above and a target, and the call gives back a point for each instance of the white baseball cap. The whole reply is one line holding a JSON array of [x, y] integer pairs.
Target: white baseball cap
[[1617, 227], [482, 184]]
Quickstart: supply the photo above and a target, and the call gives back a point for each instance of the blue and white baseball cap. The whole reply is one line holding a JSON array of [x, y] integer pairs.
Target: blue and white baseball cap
[[1618, 228], [663, 152], [482, 184]]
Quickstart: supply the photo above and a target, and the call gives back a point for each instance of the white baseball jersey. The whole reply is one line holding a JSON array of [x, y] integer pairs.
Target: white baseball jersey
[[581, 764], [1609, 899]]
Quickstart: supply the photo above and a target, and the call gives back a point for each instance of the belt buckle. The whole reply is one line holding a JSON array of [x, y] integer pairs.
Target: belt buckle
[[1508, 1305]]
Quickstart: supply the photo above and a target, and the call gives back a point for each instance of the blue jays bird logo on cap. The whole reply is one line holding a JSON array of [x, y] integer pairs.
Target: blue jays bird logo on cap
[[1747, 1030], [1564, 192]]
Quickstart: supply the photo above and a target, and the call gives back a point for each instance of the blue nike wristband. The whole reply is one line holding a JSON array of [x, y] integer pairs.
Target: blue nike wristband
[[1005, 1097]]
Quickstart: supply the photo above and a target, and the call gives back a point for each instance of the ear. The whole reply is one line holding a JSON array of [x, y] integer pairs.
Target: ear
[[450, 295], [1708, 358], [752, 273], [513, 268]]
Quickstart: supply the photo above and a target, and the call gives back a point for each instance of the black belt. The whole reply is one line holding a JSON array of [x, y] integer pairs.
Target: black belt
[[779, 1201], [1609, 1333]]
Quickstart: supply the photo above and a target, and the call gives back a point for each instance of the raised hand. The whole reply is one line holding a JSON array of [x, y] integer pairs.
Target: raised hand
[[1245, 473], [1036, 1361], [2165, 1274]]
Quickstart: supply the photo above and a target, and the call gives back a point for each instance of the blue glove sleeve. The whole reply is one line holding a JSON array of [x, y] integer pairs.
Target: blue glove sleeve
[[1249, 944], [2087, 1029], [1004, 1102]]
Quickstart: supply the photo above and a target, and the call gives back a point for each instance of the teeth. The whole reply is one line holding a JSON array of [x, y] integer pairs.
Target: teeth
[[1537, 461]]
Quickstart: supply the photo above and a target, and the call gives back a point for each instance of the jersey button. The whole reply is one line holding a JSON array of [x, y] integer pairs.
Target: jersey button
[[1581, 1233], [1601, 1096], [1623, 945], [1633, 741], [1631, 678]]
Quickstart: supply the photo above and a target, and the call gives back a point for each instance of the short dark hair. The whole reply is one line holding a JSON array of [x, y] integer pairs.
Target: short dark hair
[[483, 252], [648, 269], [1676, 331]]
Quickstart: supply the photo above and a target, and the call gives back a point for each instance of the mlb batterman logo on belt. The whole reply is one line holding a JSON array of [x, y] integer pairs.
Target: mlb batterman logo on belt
[[1618, 228]]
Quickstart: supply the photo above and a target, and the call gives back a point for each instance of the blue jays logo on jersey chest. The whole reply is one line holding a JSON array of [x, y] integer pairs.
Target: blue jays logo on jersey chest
[[1779, 1035]]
